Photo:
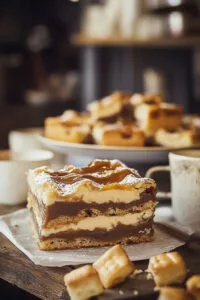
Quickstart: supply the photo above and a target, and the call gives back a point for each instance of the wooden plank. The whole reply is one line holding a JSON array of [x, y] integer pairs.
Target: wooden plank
[[79, 39], [17, 269]]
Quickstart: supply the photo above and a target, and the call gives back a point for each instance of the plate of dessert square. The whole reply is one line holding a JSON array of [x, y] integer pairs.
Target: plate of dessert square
[[139, 128]]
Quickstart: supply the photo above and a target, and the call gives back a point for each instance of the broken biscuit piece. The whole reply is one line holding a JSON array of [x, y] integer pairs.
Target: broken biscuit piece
[[113, 266], [167, 268], [83, 283], [170, 293], [193, 286]]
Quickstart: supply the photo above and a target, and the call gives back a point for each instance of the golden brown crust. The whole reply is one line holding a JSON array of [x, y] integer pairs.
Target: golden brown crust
[[73, 278], [193, 286], [167, 268]]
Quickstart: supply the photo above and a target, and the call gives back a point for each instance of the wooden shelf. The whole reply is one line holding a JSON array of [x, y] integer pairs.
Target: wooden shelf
[[79, 39]]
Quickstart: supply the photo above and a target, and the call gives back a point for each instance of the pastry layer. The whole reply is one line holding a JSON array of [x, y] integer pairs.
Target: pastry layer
[[101, 181]]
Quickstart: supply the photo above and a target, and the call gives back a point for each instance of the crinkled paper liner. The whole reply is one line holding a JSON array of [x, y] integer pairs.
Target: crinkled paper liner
[[16, 227]]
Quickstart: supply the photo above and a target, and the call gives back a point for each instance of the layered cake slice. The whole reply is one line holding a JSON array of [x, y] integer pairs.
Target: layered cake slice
[[102, 204]]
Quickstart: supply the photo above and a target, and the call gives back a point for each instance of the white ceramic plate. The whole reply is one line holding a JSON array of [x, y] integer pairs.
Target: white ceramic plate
[[139, 155]]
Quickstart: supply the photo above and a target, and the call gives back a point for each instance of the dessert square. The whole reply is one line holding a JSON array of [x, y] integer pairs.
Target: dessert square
[[83, 283], [118, 134], [104, 203], [167, 268], [170, 293], [71, 126], [112, 107], [153, 116], [180, 138], [193, 286], [113, 266]]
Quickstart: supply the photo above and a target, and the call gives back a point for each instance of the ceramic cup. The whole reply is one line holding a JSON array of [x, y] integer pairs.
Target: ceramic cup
[[21, 140], [13, 169], [184, 168]]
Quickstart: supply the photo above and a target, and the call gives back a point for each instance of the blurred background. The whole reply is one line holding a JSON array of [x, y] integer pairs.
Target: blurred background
[[61, 54]]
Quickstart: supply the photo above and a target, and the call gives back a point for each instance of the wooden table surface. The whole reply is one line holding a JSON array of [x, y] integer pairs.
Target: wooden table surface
[[47, 283]]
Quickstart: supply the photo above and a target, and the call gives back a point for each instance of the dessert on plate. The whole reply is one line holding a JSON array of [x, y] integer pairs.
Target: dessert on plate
[[101, 204], [71, 126], [111, 108], [179, 138], [123, 119], [118, 134], [152, 116]]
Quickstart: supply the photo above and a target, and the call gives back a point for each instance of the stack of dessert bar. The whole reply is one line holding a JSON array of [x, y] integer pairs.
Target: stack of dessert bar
[[123, 119], [102, 204]]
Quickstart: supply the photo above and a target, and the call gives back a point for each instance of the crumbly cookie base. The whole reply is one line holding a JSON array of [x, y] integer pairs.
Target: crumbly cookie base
[[57, 243]]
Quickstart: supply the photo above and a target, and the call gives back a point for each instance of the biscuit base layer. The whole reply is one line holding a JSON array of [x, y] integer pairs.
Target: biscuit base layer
[[57, 243]]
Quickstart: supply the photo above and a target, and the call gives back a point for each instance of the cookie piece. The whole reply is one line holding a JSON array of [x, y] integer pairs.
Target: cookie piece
[[193, 286], [83, 283], [167, 268], [170, 293], [113, 266]]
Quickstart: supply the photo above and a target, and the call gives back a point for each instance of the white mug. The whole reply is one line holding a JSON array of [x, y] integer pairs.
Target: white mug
[[26, 139], [13, 169], [184, 168]]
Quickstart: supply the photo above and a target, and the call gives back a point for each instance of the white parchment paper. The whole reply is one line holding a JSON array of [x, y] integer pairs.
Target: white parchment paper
[[16, 227]]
